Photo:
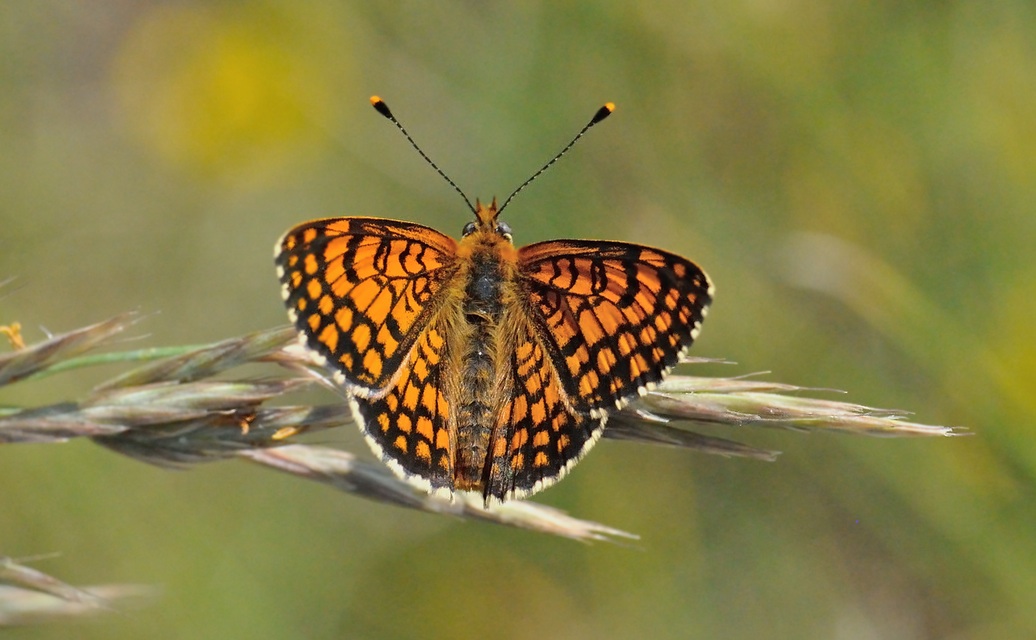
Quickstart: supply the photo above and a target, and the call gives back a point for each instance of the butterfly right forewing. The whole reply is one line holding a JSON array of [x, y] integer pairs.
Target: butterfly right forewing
[[614, 316]]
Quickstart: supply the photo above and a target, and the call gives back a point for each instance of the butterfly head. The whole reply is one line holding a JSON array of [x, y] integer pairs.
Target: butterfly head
[[486, 224]]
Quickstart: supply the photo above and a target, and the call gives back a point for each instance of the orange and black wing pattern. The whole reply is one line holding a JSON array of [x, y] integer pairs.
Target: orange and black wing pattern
[[361, 291], [537, 438], [411, 425], [614, 316]]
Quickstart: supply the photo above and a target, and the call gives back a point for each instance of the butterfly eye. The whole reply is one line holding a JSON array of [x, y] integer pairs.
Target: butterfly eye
[[469, 229], [504, 229]]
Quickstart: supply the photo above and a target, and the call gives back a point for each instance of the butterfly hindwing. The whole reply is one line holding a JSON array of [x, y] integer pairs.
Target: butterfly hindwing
[[361, 290], [411, 424], [614, 316], [537, 438]]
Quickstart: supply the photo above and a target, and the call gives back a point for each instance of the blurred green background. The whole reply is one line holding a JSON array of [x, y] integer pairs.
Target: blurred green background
[[858, 179]]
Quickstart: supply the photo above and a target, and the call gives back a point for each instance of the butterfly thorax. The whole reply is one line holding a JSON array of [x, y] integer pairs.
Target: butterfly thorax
[[488, 273]]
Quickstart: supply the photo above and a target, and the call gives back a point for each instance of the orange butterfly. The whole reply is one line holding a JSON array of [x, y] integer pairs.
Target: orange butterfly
[[473, 365]]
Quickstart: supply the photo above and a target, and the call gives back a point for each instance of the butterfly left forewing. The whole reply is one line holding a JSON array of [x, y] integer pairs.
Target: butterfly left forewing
[[361, 290]]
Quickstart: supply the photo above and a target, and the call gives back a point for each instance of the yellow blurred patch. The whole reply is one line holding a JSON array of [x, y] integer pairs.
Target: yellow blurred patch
[[1003, 94], [213, 91], [13, 333], [1015, 343]]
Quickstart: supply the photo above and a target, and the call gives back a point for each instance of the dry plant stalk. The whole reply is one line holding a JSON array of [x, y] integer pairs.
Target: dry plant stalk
[[185, 406]]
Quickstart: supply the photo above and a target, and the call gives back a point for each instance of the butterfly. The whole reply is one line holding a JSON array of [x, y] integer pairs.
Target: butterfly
[[473, 365]]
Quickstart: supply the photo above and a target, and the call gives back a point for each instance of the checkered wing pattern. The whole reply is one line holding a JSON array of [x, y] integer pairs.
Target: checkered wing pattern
[[411, 425], [613, 317], [537, 437], [362, 290]]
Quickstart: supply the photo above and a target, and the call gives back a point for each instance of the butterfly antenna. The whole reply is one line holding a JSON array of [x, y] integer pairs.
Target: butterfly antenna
[[383, 109], [601, 114]]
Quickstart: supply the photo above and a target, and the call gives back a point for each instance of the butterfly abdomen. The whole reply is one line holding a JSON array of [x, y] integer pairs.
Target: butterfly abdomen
[[482, 310]]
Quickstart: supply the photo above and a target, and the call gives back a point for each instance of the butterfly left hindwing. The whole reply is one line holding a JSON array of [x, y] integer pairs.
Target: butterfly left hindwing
[[411, 425]]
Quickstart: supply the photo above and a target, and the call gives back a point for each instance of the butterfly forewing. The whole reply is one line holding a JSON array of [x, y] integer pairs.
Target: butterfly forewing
[[615, 317], [361, 290]]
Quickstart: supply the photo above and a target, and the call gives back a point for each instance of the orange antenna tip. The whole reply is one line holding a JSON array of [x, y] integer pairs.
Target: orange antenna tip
[[381, 107], [603, 112]]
